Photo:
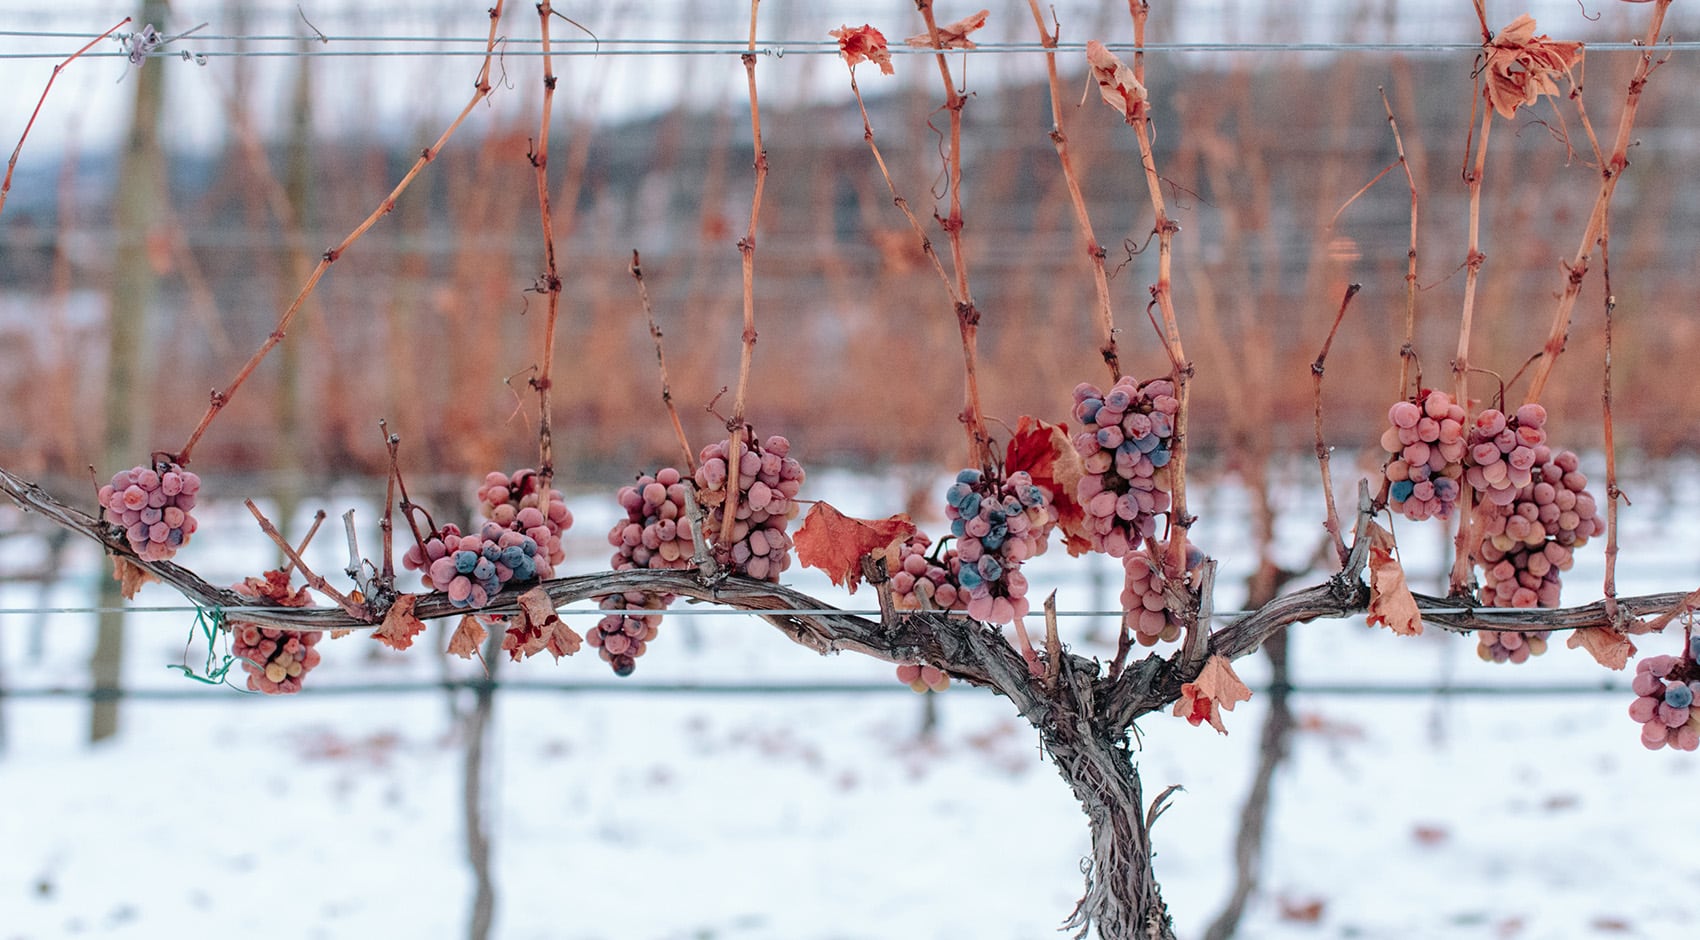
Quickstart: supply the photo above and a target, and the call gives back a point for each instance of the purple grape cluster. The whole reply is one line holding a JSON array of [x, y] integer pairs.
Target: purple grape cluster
[[1126, 438], [514, 502], [924, 580], [1425, 441], [1666, 689], [1504, 451], [1530, 539], [276, 660], [623, 635], [151, 505], [768, 483], [471, 569], [997, 527]]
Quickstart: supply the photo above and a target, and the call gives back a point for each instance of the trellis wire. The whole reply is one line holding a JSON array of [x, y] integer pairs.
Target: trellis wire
[[674, 612]]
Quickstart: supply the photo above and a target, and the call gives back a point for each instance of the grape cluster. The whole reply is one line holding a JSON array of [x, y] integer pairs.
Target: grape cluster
[[1425, 439], [1666, 690], [997, 527], [922, 677], [276, 660], [768, 483], [471, 569], [926, 581], [621, 637], [1125, 444], [654, 534], [1504, 452], [1504, 646], [514, 502], [151, 505], [1143, 601], [1529, 539]]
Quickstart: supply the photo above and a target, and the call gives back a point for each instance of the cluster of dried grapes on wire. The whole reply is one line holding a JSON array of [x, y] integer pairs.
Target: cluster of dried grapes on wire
[[655, 534], [1125, 440], [768, 481], [151, 505], [1667, 699], [997, 525], [520, 541]]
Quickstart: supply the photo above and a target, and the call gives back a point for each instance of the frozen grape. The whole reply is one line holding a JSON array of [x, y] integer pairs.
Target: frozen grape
[[151, 505], [768, 481], [1426, 451], [471, 569], [1125, 444], [997, 525], [927, 581], [515, 502], [1664, 703]]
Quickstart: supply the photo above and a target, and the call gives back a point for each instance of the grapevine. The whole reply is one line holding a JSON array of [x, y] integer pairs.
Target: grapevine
[[768, 481], [1127, 438], [151, 505]]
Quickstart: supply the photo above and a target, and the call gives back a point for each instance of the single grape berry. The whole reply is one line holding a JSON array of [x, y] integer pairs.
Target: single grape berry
[[151, 505], [1126, 437], [1426, 447]]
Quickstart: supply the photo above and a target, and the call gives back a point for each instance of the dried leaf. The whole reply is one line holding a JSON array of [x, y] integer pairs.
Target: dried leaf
[[953, 36], [1609, 647], [400, 626], [467, 637], [1216, 690], [835, 543], [273, 587], [1390, 600], [1522, 66], [1046, 453], [130, 576], [863, 44], [539, 620], [1307, 911], [1116, 82]]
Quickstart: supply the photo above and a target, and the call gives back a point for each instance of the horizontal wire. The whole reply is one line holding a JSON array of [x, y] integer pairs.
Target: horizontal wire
[[715, 47], [682, 611], [202, 694]]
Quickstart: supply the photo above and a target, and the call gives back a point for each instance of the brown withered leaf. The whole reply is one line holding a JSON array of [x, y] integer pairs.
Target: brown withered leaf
[[467, 637], [862, 44], [1390, 600], [273, 587], [954, 35], [130, 576], [1609, 647], [1216, 690], [1046, 453], [835, 543], [537, 615], [1522, 66], [400, 626], [1116, 82]]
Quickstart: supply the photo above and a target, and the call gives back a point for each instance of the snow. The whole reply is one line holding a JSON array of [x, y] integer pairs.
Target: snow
[[634, 814]]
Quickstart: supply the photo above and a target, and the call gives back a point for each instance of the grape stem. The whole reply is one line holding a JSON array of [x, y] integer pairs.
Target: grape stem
[[353, 608], [1332, 521], [551, 281], [220, 399], [735, 426], [12, 164], [1082, 218], [967, 314], [1463, 552], [312, 530], [1611, 171], [690, 464], [1613, 493]]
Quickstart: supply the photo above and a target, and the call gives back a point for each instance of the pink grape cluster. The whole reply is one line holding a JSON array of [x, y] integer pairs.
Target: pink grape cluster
[[1143, 603], [655, 532], [768, 483], [1125, 443], [471, 569], [1504, 452], [1530, 539], [151, 505], [997, 527], [1666, 688], [926, 581], [1504, 646], [276, 660], [622, 636], [1425, 441], [922, 678], [514, 502]]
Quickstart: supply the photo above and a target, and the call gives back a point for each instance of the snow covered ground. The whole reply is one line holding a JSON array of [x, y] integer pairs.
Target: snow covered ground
[[631, 814]]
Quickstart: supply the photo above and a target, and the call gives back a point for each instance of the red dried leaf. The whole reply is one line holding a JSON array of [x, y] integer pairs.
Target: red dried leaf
[[835, 543], [130, 576], [539, 620], [1116, 82], [863, 44], [1216, 690], [467, 637], [1609, 647], [1522, 66], [400, 626], [955, 35], [1390, 600], [1307, 911], [1046, 453], [273, 587]]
